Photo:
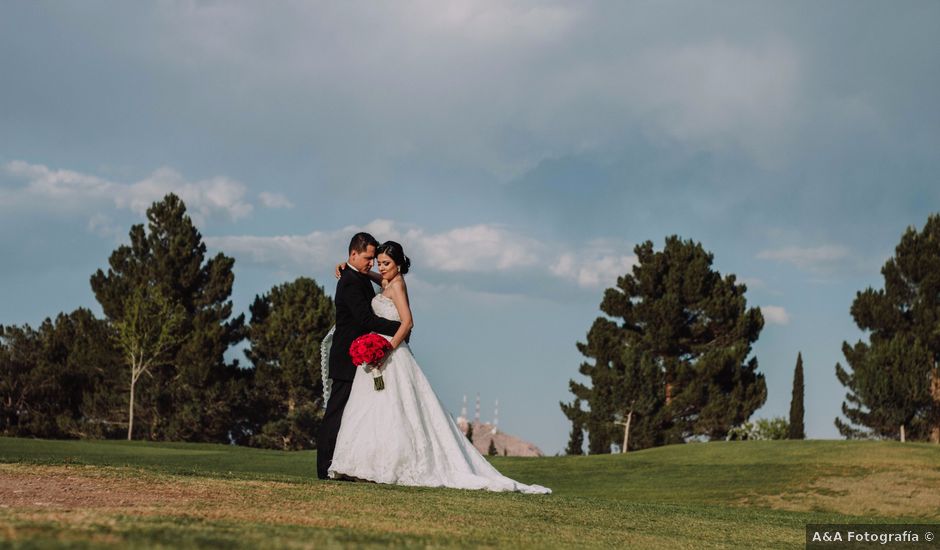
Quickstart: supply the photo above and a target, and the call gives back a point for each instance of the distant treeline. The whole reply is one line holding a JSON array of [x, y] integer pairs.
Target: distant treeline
[[154, 367], [669, 360]]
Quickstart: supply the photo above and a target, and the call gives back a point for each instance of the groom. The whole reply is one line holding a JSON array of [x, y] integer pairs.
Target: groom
[[354, 317]]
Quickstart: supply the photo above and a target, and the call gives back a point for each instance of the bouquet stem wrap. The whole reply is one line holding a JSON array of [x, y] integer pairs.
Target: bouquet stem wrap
[[377, 379]]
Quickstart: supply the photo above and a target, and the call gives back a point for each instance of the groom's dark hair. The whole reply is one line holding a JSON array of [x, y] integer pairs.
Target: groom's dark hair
[[361, 241]]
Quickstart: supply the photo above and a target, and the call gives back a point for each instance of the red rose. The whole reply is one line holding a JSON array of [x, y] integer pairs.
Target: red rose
[[369, 348]]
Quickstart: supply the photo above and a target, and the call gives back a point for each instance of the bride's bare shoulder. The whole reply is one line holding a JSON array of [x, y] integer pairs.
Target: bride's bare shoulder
[[397, 286]]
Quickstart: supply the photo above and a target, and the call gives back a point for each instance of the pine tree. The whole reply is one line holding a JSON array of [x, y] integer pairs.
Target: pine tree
[[470, 431], [893, 381], [678, 350], [21, 383], [576, 439], [796, 430], [599, 417], [58, 381], [492, 449], [193, 396], [287, 325], [92, 351], [889, 387], [637, 387]]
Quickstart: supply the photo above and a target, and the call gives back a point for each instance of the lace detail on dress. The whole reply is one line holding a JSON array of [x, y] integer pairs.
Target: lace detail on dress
[[383, 306], [325, 346]]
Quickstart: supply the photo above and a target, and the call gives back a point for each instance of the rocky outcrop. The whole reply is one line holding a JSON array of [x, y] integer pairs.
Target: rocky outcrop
[[506, 445]]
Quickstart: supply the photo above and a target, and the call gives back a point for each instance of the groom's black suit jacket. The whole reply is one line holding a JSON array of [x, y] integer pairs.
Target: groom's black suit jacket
[[354, 317]]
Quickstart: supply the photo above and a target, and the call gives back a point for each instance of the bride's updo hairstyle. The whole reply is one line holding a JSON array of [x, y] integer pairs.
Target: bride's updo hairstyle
[[393, 250]]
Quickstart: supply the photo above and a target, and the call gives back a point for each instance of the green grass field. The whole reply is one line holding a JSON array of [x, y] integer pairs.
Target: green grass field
[[756, 494]]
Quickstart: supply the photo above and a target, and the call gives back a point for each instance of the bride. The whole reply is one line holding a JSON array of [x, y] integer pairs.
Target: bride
[[402, 434]]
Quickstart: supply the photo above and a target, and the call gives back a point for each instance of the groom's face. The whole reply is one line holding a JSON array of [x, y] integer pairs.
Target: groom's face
[[362, 261]]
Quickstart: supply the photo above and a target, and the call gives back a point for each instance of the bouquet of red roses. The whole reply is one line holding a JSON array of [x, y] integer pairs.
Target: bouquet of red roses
[[368, 351]]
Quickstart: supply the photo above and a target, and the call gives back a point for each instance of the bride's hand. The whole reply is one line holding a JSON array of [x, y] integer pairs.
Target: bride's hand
[[339, 269]]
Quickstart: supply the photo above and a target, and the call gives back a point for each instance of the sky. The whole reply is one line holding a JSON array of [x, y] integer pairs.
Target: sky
[[518, 150]]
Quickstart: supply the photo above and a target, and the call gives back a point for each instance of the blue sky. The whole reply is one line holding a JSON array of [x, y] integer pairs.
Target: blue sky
[[518, 150]]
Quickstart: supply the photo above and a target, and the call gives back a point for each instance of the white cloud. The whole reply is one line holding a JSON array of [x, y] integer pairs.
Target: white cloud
[[205, 199], [478, 249], [274, 200], [286, 251], [775, 315], [63, 185], [593, 267], [818, 259]]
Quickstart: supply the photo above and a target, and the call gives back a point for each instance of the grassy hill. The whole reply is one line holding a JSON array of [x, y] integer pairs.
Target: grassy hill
[[729, 494]]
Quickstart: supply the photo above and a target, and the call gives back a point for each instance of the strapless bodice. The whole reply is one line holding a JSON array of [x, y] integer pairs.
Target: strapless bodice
[[383, 306]]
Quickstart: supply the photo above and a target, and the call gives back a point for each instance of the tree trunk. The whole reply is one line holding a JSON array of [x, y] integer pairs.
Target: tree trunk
[[626, 433], [667, 379], [130, 411], [903, 438], [935, 397]]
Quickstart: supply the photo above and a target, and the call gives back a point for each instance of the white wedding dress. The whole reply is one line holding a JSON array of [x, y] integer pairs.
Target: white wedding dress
[[403, 435]]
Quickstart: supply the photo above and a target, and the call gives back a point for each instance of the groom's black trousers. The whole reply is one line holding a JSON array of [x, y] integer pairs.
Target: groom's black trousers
[[329, 429]]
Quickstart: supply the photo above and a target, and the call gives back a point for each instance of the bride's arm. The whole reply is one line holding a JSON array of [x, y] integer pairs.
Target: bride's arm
[[399, 296], [375, 276]]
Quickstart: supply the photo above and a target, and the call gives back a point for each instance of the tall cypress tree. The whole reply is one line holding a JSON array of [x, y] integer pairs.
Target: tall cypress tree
[[796, 430], [893, 381], [193, 396], [681, 329]]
